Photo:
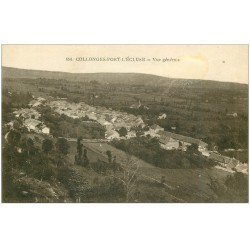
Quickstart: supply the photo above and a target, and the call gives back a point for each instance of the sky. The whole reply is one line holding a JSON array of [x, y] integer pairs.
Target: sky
[[210, 62]]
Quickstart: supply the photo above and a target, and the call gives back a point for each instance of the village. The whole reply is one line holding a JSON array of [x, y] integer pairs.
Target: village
[[114, 120]]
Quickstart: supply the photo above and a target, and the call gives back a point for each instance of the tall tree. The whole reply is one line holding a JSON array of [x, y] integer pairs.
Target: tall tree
[[128, 177], [85, 158], [79, 146], [47, 146], [13, 137], [122, 131], [62, 146], [29, 145], [109, 154], [193, 149]]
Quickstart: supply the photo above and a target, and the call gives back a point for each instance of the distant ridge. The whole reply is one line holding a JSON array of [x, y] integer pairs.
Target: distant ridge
[[119, 78], [8, 72]]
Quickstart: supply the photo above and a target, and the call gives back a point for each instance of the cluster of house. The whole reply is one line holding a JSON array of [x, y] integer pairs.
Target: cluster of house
[[170, 141], [31, 118], [229, 163], [37, 102], [173, 141], [112, 120]]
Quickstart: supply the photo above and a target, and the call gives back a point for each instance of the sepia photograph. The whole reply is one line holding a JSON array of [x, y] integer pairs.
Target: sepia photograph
[[124, 123]]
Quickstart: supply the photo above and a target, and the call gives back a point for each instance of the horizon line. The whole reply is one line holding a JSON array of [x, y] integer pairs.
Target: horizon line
[[67, 72]]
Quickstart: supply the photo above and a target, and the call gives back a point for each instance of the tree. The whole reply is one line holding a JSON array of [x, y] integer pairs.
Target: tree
[[62, 146], [79, 146], [17, 124], [122, 131], [129, 170], [234, 188], [193, 149], [85, 158], [109, 154], [29, 145], [177, 126], [47, 146], [81, 157], [226, 141], [13, 137], [238, 182], [139, 133]]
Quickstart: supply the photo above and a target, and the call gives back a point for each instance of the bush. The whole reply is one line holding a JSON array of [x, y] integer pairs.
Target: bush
[[149, 150], [108, 190]]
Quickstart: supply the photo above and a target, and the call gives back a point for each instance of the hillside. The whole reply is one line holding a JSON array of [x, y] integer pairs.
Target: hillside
[[118, 78]]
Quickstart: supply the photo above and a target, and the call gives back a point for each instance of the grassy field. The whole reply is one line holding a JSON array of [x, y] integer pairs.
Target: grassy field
[[187, 184]]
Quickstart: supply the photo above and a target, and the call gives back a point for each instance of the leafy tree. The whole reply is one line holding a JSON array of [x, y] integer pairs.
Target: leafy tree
[[193, 149], [62, 146], [149, 150], [79, 146], [17, 124], [85, 158], [128, 178], [226, 142], [234, 188], [29, 145], [47, 146], [238, 182], [14, 137], [100, 166], [122, 131], [109, 154]]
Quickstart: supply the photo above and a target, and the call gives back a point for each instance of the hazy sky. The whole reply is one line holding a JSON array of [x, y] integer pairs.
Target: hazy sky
[[213, 62]]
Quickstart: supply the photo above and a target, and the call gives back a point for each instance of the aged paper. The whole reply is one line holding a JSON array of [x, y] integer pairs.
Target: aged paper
[[125, 123]]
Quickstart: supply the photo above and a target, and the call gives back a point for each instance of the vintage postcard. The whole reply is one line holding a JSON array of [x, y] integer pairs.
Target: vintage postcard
[[124, 123]]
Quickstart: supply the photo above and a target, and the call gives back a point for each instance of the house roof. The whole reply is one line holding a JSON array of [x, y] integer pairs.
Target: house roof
[[223, 159], [155, 126], [182, 138], [32, 122], [164, 140], [112, 133], [32, 102]]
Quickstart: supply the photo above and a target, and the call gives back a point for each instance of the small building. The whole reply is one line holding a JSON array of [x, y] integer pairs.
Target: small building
[[131, 134], [162, 116], [185, 140], [111, 134], [45, 130], [27, 113], [169, 143], [242, 167], [41, 99], [10, 124], [31, 124], [136, 106], [156, 128], [34, 103], [225, 161], [232, 115]]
